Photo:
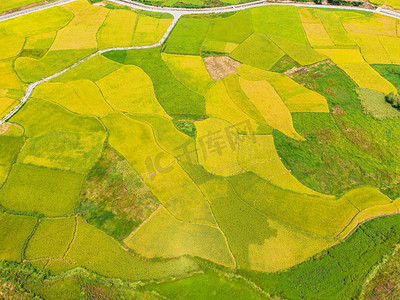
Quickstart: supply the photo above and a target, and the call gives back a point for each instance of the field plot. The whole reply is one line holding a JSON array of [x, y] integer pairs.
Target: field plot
[[187, 37], [164, 236], [184, 66], [258, 51], [14, 231], [51, 238], [273, 110], [217, 148], [61, 150], [173, 96], [96, 250], [80, 96], [45, 191], [82, 30], [129, 89], [110, 33], [296, 97], [40, 116], [354, 65], [254, 140], [169, 138]]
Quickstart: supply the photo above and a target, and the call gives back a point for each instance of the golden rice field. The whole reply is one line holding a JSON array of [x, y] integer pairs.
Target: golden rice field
[[241, 146]]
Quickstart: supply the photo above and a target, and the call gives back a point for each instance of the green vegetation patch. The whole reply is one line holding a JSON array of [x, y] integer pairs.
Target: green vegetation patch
[[14, 231], [75, 151], [51, 239], [345, 148], [46, 191], [208, 285], [258, 51], [23, 281], [114, 197], [185, 126], [175, 98], [187, 36], [40, 116], [374, 103], [383, 282]]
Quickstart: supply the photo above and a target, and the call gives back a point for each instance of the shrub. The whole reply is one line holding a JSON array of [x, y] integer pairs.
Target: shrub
[[393, 99]]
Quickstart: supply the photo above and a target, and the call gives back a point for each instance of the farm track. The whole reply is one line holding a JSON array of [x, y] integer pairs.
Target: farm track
[[175, 12]]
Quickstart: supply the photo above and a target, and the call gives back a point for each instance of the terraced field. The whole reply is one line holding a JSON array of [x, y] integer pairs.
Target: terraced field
[[243, 151]]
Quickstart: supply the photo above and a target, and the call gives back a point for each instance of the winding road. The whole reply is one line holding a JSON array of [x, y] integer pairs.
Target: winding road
[[175, 12]]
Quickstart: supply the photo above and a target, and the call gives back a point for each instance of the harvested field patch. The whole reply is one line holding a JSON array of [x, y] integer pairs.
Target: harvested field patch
[[220, 66]]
